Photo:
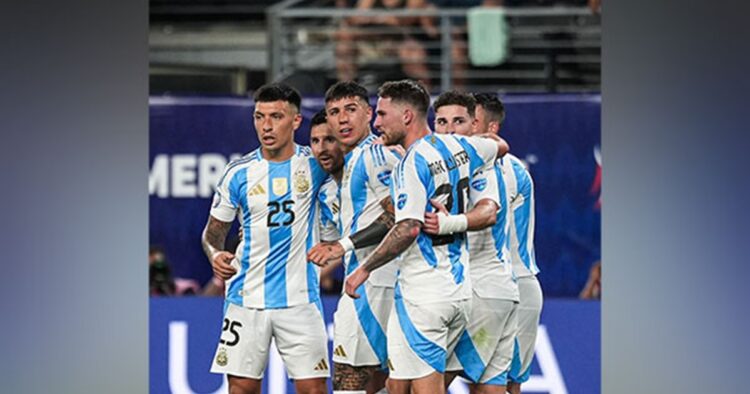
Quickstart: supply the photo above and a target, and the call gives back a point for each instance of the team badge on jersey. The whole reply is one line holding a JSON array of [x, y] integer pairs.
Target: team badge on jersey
[[221, 357], [479, 184], [280, 186], [401, 201], [301, 182], [385, 177]]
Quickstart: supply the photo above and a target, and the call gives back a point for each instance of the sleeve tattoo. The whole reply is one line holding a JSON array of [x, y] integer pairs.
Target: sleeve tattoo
[[396, 241], [214, 236], [374, 233]]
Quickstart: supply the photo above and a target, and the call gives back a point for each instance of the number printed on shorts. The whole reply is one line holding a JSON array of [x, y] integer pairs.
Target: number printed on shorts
[[230, 326], [275, 207]]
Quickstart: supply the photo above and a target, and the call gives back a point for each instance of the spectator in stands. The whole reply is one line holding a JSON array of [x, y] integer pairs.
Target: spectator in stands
[[593, 288], [362, 39], [459, 37], [159, 274]]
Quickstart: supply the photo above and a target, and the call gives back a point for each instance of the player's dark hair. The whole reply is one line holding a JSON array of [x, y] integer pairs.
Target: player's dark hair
[[319, 118], [492, 106], [454, 97], [344, 89], [408, 92], [278, 91]]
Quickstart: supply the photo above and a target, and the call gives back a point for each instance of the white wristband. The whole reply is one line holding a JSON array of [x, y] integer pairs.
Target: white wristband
[[450, 224], [347, 244]]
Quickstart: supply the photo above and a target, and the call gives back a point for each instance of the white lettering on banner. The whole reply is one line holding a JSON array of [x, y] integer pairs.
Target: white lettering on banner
[[186, 175], [178, 360], [183, 176], [551, 380], [459, 386], [158, 178], [276, 374], [210, 166]]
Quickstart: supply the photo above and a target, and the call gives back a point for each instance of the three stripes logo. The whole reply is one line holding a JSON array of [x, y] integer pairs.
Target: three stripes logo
[[339, 351], [321, 366], [257, 190], [390, 365]]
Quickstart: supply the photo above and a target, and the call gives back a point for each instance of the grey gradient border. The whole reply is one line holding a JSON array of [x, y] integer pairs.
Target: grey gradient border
[[74, 155]]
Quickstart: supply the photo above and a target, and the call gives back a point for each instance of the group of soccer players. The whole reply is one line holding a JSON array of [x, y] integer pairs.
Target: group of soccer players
[[435, 231]]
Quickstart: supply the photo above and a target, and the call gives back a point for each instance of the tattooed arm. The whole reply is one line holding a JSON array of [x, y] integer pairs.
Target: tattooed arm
[[326, 252], [396, 242], [212, 240]]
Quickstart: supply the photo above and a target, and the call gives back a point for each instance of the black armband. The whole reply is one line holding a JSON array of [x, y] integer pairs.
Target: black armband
[[374, 233]]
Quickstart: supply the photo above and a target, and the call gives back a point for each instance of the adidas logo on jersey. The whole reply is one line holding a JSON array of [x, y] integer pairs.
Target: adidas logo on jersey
[[339, 351], [321, 366], [257, 190], [390, 365]]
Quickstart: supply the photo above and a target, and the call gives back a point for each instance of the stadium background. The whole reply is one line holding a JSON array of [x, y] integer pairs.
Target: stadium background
[[200, 117]]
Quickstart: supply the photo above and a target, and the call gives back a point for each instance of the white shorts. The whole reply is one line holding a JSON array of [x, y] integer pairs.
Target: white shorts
[[420, 337], [529, 311], [485, 349], [299, 333], [359, 327]]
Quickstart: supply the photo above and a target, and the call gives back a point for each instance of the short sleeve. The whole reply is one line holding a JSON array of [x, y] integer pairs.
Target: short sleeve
[[411, 181], [225, 203], [380, 164], [486, 148], [524, 183], [484, 184]]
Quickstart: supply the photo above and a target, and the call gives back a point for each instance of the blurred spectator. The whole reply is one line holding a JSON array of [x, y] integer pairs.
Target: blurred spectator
[[361, 39], [159, 274], [593, 288]]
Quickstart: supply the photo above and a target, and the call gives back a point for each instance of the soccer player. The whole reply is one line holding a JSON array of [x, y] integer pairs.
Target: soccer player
[[490, 114], [485, 349], [272, 291], [432, 295], [360, 351], [327, 151]]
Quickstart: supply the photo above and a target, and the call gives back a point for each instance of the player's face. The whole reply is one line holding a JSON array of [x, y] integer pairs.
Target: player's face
[[389, 120], [349, 118], [454, 119], [275, 122], [326, 148]]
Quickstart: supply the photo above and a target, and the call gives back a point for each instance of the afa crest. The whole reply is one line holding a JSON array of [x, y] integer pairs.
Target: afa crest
[[221, 357], [301, 182]]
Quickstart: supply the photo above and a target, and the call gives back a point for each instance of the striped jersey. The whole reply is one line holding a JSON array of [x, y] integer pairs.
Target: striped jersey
[[437, 167], [365, 182], [275, 203], [489, 261], [520, 189], [328, 203]]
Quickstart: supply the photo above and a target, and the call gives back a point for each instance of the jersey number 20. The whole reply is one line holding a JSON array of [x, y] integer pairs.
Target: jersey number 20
[[446, 189]]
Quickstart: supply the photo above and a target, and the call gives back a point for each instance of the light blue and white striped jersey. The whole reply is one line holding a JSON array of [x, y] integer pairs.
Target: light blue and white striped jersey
[[365, 182], [489, 257], [521, 232], [276, 205], [442, 167], [328, 203]]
